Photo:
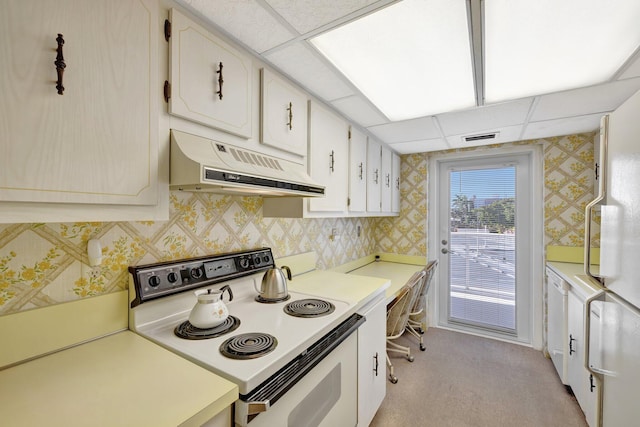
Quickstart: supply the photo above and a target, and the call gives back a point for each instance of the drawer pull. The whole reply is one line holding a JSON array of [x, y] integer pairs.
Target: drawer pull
[[60, 64], [220, 81]]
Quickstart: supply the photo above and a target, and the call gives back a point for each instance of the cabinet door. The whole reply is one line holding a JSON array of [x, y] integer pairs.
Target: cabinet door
[[328, 158], [372, 378], [357, 171], [385, 192], [579, 378], [284, 115], [97, 142], [210, 80], [374, 175], [395, 183]]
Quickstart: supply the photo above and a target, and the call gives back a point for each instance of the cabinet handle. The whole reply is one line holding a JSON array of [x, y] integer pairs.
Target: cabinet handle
[[571, 340], [60, 65], [397, 183], [376, 178], [290, 110], [220, 80], [361, 166], [375, 369], [332, 164], [387, 180], [591, 384]]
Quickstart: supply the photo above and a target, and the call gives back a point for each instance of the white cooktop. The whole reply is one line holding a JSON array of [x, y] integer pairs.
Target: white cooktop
[[157, 320]]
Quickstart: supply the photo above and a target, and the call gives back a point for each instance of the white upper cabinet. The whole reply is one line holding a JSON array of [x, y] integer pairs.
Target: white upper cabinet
[[88, 134], [210, 80], [395, 183], [374, 175], [284, 115], [328, 158], [357, 171], [386, 184]]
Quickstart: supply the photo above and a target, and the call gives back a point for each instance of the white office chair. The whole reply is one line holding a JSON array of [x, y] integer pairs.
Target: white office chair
[[398, 312], [417, 314]]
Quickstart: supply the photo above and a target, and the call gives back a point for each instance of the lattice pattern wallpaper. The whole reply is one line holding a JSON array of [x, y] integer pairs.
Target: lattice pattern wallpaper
[[45, 264], [568, 187]]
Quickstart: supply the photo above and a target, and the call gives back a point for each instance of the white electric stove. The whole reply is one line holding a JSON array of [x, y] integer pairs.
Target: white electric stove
[[262, 348]]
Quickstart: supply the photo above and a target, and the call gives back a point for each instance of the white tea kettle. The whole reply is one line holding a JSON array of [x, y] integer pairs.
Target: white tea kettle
[[274, 284], [210, 310]]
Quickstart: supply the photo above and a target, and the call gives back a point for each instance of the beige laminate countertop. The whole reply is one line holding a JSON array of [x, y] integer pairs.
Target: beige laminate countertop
[[119, 380], [345, 287], [397, 273], [574, 274]]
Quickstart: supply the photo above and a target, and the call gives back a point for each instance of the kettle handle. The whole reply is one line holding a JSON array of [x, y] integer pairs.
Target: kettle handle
[[284, 267], [228, 289]]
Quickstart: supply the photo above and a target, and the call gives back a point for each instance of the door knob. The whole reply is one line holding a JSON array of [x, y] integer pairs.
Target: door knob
[[444, 250], [444, 241]]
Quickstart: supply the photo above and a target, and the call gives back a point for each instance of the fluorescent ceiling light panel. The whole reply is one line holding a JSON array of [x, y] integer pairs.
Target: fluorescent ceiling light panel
[[410, 59], [543, 46]]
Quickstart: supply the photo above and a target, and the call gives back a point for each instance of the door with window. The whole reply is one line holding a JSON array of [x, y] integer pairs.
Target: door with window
[[484, 235]]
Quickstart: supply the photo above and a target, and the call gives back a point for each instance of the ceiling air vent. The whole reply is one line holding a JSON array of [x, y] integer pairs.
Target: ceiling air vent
[[481, 137]]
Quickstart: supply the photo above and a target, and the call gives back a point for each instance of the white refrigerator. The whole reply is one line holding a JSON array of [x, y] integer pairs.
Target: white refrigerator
[[613, 316]]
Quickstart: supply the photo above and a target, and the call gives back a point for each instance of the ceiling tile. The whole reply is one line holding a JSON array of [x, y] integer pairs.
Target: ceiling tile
[[559, 127], [506, 134], [307, 15], [408, 130], [301, 64], [422, 146], [488, 117], [358, 110], [247, 21], [601, 98]]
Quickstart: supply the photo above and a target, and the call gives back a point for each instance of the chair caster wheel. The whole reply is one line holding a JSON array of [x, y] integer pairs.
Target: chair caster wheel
[[410, 358], [394, 380], [422, 347]]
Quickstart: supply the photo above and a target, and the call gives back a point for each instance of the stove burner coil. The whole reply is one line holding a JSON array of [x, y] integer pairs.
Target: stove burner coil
[[309, 308], [271, 301], [187, 331], [248, 346]]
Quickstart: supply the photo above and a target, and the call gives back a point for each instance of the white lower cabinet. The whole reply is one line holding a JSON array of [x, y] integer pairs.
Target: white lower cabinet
[[579, 378], [372, 380]]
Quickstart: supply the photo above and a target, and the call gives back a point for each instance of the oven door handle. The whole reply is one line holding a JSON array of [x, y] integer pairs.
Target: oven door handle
[[257, 407]]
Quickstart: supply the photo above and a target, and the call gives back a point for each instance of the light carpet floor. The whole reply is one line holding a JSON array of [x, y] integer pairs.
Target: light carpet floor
[[463, 380]]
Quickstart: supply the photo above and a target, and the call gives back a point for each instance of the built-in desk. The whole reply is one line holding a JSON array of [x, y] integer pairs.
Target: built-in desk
[[397, 273]]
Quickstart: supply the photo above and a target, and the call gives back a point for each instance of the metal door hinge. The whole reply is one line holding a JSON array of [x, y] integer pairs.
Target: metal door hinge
[[348, 201], [167, 29], [167, 91], [349, 134]]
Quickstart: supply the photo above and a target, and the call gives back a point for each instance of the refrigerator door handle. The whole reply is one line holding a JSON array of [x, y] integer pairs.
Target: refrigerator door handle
[[602, 185]]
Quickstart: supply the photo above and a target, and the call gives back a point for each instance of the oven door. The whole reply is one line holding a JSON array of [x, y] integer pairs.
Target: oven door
[[326, 396]]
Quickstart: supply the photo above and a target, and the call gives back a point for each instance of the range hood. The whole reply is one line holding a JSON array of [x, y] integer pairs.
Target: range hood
[[201, 164]]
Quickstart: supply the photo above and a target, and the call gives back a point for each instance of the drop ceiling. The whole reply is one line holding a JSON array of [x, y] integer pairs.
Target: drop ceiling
[[279, 33]]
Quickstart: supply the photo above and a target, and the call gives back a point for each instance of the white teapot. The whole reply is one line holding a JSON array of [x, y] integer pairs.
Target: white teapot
[[210, 310]]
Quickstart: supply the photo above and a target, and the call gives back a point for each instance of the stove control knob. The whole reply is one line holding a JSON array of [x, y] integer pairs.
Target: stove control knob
[[266, 259], [154, 281], [196, 273], [257, 260], [244, 262], [172, 277]]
